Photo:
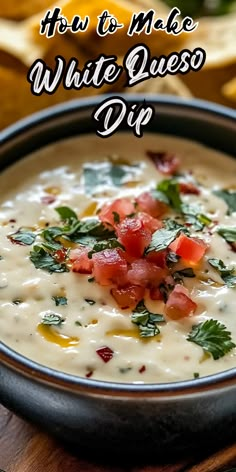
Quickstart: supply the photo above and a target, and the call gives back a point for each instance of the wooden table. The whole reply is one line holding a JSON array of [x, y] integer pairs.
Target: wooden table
[[24, 448]]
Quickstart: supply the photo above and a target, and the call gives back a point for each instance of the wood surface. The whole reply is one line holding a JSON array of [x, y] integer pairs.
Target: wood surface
[[24, 448]]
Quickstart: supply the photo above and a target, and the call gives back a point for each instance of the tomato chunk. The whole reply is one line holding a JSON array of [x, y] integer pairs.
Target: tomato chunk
[[148, 204], [179, 304], [149, 222], [81, 261], [117, 211], [109, 266], [165, 162], [190, 249], [145, 273], [159, 258], [189, 188], [129, 296], [133, 235], [155, 294]]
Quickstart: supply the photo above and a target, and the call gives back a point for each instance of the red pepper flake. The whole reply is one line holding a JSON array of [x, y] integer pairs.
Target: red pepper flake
[[48, 199], [105, 353], [12, 220], [165, 162], [142, 369], [189, 188], [89, 374]]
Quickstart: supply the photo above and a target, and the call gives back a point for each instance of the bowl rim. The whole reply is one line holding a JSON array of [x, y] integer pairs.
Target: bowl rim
[[38, 372]]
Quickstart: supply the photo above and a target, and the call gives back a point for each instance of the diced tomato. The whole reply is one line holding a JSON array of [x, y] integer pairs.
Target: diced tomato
[[129, 296], [149, 222], [105, 353], [159, 258], [145, 273], [60, 255], [179, 304], [190, 249], [48, 199], [109, 266], [189, 188], [148, 204], [155, 293], [133, 235], [165, 162], [117, 211], [81, 261]]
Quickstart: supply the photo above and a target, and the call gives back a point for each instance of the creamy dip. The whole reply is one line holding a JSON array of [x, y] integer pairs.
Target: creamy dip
[[53, 177]]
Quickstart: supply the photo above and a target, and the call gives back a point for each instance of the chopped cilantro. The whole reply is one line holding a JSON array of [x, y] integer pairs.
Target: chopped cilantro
[[162, 238], [77, 323], [213, 337], [60, 300], [180, 274], [66, 214], [23, 236], [116, 217], [43, 260], [146, 320], [226, 273], [52, 319], [196, 375], [194, 217], [107, 173], [228, 233], [229, 196], [170, 189]]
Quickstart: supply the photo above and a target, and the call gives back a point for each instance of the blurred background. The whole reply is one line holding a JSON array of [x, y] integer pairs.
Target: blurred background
[[21, 44]]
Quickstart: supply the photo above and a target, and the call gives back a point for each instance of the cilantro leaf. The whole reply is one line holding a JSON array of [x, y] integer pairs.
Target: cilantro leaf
[[213, 337], [66, 214], [194, 217], [23, 236], [229, 196], [170, 188], [60, 300], [226, 273], [107, 173], [146, 320], [228, 233], [43, 260], [180, 274], [52, 319], [161, 239]]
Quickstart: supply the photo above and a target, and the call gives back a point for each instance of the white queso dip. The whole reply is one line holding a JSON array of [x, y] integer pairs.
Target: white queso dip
[[117, 258]]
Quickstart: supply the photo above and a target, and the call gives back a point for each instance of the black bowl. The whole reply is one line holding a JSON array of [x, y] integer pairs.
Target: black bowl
[[110, 416]]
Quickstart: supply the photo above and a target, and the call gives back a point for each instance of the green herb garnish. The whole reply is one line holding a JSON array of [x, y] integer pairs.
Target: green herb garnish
[[52, 319], [194, 217], [170, 189], [23, 236], [146, 320], [107, 173], [43, 260], [60, 300], [226, 273], [102, 245], [229, 196], [161, 239], [180, 274], [213, 337], [228, 233]]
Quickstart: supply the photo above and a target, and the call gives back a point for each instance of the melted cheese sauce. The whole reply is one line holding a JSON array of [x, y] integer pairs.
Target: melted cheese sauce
[[71, 347]]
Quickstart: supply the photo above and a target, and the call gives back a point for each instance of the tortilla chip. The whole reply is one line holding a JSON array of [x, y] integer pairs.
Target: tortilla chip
[[170, 85], [20, 9], [207, 84], [229, 90], [217, 35], [16, 98]]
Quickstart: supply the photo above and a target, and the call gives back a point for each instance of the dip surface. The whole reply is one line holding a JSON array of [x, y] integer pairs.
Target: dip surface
[[54, 177]]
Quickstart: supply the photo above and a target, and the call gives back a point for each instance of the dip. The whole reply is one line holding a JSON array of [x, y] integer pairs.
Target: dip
[[117, 258]]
